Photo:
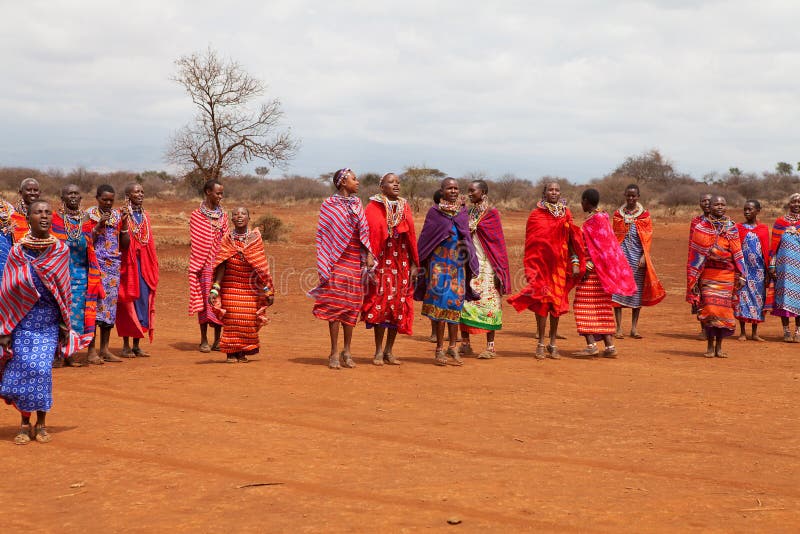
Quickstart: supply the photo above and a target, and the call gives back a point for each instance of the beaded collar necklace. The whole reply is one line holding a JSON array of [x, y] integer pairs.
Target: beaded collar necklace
[[6, 223], [139, 230], [37, 243], [476, 212], [630, 216], [22, 207], [72, 223], [557, 210], [395, 209]]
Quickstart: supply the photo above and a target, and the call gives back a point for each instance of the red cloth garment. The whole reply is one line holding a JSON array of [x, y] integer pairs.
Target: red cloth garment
[[18, 293], [714, 242], [20, 222], [141, 253], [206, 235], [607, 257], [493, 241], [653, 291], [548, 271], [594, 311], [762, 232], [389, 297], [243, 301], [339, 216]]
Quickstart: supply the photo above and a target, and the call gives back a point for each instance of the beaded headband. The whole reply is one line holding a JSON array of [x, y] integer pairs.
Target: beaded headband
[[339, 176]]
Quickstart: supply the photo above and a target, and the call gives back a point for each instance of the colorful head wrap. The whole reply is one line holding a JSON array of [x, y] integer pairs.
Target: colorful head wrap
[[338, 177], [794, 196]]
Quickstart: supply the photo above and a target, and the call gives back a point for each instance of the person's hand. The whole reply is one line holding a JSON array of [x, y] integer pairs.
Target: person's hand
[[740, 281], [104, 217], [413, 273], [642, 262], [370, 261], [213, 298], [576, 270], [270, 300], [5, 341]]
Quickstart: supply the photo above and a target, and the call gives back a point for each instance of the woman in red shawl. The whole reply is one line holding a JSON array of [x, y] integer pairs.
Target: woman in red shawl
[[634, 230], [485, 316], [389, 299], [242, 289], [138, 278], [753, 298], [343, 252], [552, 244], [607, 273]]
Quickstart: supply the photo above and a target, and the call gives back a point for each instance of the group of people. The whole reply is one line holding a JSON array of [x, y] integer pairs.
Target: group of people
[[67, 277], [372, 267], [738, 272]]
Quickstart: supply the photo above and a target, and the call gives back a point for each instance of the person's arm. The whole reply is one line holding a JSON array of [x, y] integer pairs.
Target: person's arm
[[124, 236], [216, 287]]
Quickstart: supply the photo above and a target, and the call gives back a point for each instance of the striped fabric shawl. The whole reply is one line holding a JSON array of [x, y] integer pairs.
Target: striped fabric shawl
[[338, 216], [94, 289], [18, 293], [203, 251], [252, 251], [652, 290]]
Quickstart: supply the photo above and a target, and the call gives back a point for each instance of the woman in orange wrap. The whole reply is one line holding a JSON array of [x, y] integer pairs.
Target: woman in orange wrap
[[242, 288], [634, 230], [714, 274]]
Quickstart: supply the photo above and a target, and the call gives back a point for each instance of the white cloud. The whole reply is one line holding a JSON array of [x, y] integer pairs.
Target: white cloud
[[567, 88]]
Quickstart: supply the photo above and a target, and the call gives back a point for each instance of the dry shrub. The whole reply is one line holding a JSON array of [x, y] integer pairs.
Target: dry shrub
[[272, 228]]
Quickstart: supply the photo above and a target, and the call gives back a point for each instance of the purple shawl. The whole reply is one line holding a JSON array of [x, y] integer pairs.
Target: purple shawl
[[606, 254], [490, 234], [438, 227]]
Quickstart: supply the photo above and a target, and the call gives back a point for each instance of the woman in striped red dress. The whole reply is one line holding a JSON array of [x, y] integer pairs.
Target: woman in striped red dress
[[207, 225], [343, 250], [242, 288], [607, 273]]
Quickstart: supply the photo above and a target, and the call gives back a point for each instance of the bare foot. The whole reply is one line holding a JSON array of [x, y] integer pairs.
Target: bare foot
[[742, 338], [758, 338], [108, 357], [93, 358], [709, 354]]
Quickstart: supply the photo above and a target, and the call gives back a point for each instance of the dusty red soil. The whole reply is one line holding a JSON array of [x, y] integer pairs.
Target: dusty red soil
[[659, 440]]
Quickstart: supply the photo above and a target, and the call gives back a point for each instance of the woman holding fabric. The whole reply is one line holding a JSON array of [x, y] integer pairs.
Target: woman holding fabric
[[343, 254], [752, 297], [242, 288], [34, 320], [389, 300]]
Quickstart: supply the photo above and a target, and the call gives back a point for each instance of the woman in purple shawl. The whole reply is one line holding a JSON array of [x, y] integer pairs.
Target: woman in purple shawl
[[607, 273], [448, 262], [485, 316]]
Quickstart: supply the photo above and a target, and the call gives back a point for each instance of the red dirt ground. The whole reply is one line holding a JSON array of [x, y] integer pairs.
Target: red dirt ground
[[660, 440]]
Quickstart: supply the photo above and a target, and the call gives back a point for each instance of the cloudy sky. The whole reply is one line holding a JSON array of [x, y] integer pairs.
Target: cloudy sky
[[562, 87]]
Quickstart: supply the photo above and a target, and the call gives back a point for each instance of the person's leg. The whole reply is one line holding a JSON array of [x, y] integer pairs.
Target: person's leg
[[126, 348], [432, 337], [787, 336], [552, 349], [709, 345], [718, 348], [755, 336], [42, 435], [138, 351], [92, 356], [796, 336], [217, 332], [541, 322], [388, 357], [618, 320], [466, 347], [23, 436], [105, 338], [333, 357], [490, 341], [378, 333], [439, 356], [742, 333], [452, 346], [590, 349], [346, 355], [204, 337], [635, 322]]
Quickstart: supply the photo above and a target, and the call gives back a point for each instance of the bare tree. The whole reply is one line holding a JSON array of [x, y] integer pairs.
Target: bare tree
[[226, 132]]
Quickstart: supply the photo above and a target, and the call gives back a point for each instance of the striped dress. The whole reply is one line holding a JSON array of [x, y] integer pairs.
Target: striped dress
[[206, 229], [342, 236], [633, 250], [786, 256]]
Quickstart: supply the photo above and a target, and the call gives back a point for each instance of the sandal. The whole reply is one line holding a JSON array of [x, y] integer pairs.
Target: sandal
[[72, 362], [486, 355], [23, 437], [231, 359], [94, 359], [552, 352], [42, 435], [108, 357], [333, 362], [453, 353], [243, 359], [215, 346], [588, 352], [636, 335], [439, 358], [140, 353], [204, 347], [466, 350], [378, 359], [610, 352], [721, 355], [619, 335], [347, 360], [391, 359], [709, 354], [127, 353], [540, 351]]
